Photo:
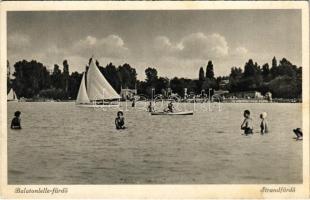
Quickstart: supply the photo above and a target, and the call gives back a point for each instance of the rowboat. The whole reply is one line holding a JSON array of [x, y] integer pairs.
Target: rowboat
[[173, 113]]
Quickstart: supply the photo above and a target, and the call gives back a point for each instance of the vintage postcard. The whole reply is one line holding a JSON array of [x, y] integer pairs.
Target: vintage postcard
[[159, 100]]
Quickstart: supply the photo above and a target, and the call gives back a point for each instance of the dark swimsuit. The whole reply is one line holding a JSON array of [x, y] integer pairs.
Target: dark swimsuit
[[298, 134], [248, 131], [119, 123], [15, 123]]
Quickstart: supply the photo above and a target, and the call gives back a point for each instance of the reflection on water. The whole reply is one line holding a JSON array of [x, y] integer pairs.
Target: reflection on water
[[64, 144]]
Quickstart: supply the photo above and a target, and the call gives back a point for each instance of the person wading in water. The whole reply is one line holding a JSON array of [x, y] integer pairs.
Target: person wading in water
[[247, 123], [15, 124], [120, 120]]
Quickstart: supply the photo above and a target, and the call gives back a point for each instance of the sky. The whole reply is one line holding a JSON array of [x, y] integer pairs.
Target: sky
[[175, 42]]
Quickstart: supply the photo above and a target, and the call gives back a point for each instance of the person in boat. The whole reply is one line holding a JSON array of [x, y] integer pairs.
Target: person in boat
[[16, 121], [263, 124], [150, 108], [120, 120], [170, 107], [247, 123], [298, 133]]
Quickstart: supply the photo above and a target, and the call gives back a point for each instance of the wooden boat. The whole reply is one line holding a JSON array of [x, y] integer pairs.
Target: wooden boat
[[173, 113]]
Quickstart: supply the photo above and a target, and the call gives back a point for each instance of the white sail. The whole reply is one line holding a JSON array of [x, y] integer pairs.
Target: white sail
[[82, 97], [98, 88], [12, 95]]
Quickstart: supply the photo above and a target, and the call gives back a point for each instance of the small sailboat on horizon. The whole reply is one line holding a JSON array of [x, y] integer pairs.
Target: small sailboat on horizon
[[96, 91], [12, 95]]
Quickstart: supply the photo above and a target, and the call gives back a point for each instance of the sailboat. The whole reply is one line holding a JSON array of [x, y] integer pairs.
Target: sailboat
[[12, 95], [96, 90]]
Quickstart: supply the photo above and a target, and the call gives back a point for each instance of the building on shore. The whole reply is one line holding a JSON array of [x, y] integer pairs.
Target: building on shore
[[245, 95], [220, 92], [128, 94], [223, 84], [268, 96]]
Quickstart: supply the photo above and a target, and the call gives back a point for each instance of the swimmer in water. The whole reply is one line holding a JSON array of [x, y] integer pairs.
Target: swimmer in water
[[15, 124], [247, 123], [120, 120], [263, 124], [298, 133]]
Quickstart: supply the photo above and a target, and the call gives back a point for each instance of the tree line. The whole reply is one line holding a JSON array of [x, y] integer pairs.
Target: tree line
[[283, 79], [33, 80]]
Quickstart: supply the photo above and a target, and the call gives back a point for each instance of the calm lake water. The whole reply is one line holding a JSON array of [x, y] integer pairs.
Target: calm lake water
[[64, 144]]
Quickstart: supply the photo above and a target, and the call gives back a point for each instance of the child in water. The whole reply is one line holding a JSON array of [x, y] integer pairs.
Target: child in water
[[15, 124], [263, 124], [247, 123], [119, 120]]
